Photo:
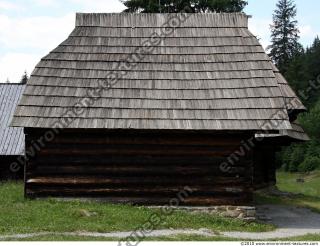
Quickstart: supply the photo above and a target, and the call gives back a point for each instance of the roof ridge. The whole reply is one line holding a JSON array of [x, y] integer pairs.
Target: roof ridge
[[157, 20]]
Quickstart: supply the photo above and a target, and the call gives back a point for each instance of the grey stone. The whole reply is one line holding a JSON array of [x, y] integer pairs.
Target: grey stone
[[231, 213], [251, 213]]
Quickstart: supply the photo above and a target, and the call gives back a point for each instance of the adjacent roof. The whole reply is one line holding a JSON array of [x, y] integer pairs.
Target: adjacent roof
[[11, 139], [210, 73]]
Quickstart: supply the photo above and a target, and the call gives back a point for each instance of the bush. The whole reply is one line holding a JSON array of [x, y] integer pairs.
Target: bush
[[291, 157], [309, 164]]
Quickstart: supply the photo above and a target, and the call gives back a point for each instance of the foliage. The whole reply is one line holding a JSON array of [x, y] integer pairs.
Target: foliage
[[24, 78], [284, 35], [304, 157], [292, 157], [303, 74], [309, 164], [175, 6]]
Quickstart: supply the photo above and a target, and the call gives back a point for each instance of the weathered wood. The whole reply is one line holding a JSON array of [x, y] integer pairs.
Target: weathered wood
[[147, 191], [145, 160], [81, 180], [149, 139], [139, 167], [136, 150], [142, 170]]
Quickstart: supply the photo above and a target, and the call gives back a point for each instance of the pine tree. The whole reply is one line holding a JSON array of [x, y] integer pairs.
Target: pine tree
[[285, 34], [175, 6], [24, 78]]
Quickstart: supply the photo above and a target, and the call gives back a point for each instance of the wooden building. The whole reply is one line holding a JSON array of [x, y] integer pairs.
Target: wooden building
[[11, 139], [180, 106]]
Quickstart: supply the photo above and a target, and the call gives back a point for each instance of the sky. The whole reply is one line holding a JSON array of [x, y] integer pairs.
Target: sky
[[30, 29]]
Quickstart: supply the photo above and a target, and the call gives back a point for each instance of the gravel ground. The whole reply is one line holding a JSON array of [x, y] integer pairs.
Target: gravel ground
[[156, 233], [291, 222]]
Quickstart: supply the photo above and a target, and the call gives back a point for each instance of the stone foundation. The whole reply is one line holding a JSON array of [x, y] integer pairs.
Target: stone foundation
[[238, 212]]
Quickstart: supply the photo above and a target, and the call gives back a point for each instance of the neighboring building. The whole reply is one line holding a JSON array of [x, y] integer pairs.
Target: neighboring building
[[11, 138], [176, 115]]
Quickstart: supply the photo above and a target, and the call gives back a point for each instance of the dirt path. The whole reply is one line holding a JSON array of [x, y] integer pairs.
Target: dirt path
[[291, 222], [120, 235]]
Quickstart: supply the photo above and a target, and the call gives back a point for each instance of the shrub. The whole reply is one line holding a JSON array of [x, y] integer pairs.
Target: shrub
[[310, 164]]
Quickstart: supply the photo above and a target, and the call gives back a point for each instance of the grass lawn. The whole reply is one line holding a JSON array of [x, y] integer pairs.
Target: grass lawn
[[307, 194], [29, 216], [311, 186], [19, 215], [310, 237]]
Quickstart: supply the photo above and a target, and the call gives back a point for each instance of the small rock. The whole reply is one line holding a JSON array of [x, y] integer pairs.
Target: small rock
[[249, 219], [247, 208], [86, 213], [231, 213], [241, 216], [251, 213], [221, 208]]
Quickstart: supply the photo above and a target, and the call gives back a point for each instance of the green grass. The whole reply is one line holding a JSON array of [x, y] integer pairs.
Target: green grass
[[310, 237], [311, 186], [19, 215], [305, 194]]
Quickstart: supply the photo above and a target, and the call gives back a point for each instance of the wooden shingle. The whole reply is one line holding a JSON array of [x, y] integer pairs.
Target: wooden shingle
[[210, 73]]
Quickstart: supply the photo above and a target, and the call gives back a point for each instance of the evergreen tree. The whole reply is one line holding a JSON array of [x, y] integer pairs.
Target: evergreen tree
[[284, 34], [24, 78], [304, 68], [175, 6], [303, 72]]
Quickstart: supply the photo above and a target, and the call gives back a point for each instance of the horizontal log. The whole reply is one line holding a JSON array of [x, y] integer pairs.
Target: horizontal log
[[135, 150], [135, 170], [149, 136], [96, 180], [136, 140], [133, 191], [145, 160], [139, 168]]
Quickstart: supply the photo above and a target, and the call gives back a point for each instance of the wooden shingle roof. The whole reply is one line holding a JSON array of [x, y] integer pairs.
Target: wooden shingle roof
[[11, 138], [296, 134], [210, 73]]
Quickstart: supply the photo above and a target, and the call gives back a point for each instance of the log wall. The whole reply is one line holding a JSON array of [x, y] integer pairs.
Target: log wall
[[145, 168], [6, 172]]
